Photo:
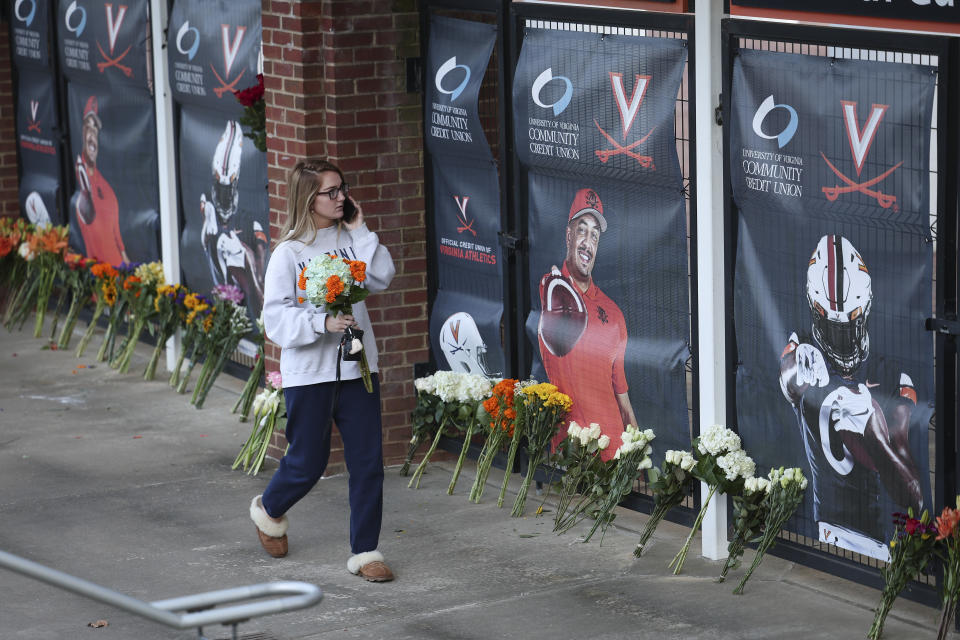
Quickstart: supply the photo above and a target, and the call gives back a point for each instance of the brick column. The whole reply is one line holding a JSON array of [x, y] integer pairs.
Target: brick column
[[335, 81], [9, 198]]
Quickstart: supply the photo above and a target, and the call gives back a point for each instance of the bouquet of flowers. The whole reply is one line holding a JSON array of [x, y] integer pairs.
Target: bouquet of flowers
[[630, 460], [521, 416], [543, 408], [105, 288], [168, 313], [723, 466], [333, 283], [911, 549], [254, 113], [267, 408], [499, 406], [585, 474], [12, 265], [245, 401], [454, 398], [79, 282], [424, 418], [750, 509], [670, 487], [117, 304], [48, 246], [948, 534], [139, 290], [199, 322], [230, 326], [474, 388], [786, 494]]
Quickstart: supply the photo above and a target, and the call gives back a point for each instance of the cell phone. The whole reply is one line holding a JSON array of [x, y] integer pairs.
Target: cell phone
[[349, 210]]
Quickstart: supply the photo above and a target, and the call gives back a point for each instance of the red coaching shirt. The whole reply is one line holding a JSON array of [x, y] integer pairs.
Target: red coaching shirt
[[592, 373], [102, 237]]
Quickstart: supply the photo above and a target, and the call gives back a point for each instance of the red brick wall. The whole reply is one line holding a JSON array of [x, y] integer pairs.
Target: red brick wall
[[335, 77], [9, 200]]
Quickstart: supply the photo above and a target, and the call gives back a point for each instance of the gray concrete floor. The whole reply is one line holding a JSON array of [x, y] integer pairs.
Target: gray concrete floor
[[124, 483]]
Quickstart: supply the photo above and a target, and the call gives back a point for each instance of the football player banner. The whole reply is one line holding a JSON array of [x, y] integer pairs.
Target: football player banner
[[113, 209], [38, 140], [213, 50], [30, 31], [833, 283], [225, 221], [466, 313], [101, 40], [457, 59], [599, 104]]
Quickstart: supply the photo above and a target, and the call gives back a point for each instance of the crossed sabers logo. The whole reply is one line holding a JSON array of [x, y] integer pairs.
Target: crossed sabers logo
[[465, 225], [34, 124], [860, 143], [629, 108], [113, 28], [230, 50]]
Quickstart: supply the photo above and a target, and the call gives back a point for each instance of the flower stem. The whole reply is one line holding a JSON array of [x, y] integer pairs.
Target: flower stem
[[879, 618], [69, 322], [511, 456], [463, 455], [91, 328], [521, 500], [418, 473], [734, 553], [680, 558], [660, 510], [946, 617], [411, 450]]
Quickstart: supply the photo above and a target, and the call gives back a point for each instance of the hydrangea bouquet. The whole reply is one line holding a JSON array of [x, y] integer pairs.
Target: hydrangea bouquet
[[723, 466], [334, 284]]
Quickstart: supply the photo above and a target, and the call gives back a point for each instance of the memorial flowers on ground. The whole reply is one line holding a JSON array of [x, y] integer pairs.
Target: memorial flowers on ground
[[245, 401], [104, 286], [79, 283], [750, 510], [169, 315], [544, 409], [268, 406], [948, 537], [500, 407], [584, 473], [670, 486], [229, 324], [723, 466]]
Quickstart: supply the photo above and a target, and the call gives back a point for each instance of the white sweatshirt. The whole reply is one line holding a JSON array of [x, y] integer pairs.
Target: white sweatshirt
[[308, 353]]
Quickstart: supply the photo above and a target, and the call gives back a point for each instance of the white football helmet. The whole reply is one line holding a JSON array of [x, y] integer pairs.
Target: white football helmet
[[463, 347], [37, 211], [840, 296], [225, 190]]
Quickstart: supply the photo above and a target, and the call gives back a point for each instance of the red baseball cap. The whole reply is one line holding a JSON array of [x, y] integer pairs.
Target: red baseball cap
[[91, 111], [587, 201]]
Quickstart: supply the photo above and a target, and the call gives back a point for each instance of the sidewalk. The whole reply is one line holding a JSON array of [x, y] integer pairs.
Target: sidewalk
[[122, 482]]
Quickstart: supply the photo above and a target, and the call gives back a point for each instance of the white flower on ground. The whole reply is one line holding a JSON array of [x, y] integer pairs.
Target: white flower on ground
[[718, 440], [736, 465], [687, 461], [603, 442], [574, 429], [646, 463]]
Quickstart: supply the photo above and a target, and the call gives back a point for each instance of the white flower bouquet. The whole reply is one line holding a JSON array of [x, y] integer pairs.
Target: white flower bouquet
[[671, 486], [750, 512], [631, 459], [786, 494], [585, 474], [268, 406], [723, 466]]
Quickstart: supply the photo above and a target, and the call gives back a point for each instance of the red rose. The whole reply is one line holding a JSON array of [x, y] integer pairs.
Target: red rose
[[251, 95], [911, 526]]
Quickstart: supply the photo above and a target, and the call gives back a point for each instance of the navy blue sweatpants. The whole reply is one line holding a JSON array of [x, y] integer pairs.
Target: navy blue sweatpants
[[308, 432]]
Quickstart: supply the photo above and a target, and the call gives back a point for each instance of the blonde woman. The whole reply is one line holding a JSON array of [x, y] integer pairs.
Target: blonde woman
[[317, 199]]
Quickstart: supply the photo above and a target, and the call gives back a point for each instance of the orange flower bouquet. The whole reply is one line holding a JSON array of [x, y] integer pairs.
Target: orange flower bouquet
[[503, 417], [48, 247], [948, 535], [79, 283], [104, 278], [335, 285]]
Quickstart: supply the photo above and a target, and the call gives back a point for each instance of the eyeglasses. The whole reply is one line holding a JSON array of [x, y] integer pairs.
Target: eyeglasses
[[344, 188]]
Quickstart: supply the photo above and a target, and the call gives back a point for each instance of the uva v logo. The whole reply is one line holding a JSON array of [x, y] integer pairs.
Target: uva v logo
[[465, 224], [860, 142], [113, 29], [33, 125], [230, 50], [628, 108]]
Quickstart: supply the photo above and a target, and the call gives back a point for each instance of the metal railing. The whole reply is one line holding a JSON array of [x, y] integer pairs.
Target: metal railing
[[198, 609]]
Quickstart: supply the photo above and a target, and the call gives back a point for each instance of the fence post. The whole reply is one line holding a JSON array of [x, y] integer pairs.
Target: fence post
[[710, 259]]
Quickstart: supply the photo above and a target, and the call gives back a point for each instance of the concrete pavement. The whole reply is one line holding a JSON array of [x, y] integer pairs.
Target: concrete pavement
[[122, 482]]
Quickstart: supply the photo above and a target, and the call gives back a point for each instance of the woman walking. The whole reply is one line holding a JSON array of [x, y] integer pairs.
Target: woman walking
[[319, 390]]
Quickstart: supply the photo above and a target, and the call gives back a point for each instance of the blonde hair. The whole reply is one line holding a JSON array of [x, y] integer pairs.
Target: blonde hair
[[303, 183]]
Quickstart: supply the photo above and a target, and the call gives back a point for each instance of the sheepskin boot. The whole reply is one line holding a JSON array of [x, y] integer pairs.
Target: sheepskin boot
[[369, 565], [272, 534]]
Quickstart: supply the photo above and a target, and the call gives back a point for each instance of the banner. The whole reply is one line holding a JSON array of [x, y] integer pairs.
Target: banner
[[213, 50], [609, 318], [102, 41], [831, 174], [457, 60], [113, 211], [599, 104], [223, 177], [38, 139], [30, 28], [465, 316]]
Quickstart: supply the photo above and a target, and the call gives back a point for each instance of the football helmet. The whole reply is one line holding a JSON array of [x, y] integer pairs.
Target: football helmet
[[840, 295], [225, 190], [463, 346]]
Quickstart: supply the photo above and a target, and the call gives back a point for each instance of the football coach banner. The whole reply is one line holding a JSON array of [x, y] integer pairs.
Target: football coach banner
[[30, 27], [599, 104], [457, 59], [213, 49], [831, 178]]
